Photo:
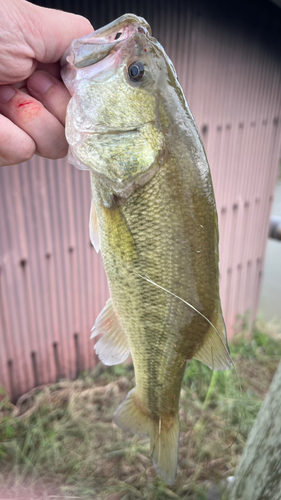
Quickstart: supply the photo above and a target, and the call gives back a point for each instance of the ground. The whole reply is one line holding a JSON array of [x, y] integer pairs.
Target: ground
[[59, 441]]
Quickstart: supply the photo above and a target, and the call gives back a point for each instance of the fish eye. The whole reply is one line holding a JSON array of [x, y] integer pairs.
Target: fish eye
[[117, 36], [136, 71]]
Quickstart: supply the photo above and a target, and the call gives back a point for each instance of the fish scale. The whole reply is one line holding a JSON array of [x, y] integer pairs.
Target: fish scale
[[149, 220], [153, 216]]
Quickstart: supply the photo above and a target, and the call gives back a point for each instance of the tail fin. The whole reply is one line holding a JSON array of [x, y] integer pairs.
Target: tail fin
[[163, 433]]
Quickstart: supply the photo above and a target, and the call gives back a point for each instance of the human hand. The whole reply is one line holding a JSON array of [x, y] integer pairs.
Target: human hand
[[33, 99]]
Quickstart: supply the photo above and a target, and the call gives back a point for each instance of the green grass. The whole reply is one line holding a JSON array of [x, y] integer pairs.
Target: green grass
[[62, 435]]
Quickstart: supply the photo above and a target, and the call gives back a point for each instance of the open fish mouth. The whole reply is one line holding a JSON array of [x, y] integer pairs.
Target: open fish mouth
[[95, 47]]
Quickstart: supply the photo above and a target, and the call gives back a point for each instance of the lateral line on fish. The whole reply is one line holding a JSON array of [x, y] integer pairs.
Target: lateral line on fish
[[187, 303]]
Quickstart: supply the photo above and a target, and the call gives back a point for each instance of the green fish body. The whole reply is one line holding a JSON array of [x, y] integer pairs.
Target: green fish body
[[153, 216]]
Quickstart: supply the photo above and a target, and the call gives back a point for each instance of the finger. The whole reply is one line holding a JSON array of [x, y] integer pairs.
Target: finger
[[31, 116], [15, 145], [51, 92], [52, 31], [52, 68]]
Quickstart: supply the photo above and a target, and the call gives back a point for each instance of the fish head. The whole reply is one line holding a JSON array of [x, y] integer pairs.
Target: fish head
[[116, 123]]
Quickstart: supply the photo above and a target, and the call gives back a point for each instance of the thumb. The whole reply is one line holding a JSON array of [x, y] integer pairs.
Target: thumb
[[52, 31]]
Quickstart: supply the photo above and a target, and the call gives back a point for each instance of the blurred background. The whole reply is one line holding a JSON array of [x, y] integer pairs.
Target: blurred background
[[52, 283]]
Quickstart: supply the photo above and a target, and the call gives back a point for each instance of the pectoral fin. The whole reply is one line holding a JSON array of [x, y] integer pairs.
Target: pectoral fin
[[94, 228], [112, 348], [214, 351]]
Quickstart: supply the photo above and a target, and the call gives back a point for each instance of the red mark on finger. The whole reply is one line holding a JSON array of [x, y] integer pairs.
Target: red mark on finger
[[28, 110], [24, 104]]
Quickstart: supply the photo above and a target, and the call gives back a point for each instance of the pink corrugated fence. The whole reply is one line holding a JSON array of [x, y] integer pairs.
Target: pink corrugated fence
[[52, 283]]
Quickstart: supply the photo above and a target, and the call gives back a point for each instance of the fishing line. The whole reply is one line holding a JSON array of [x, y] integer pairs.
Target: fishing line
[[190, 305]]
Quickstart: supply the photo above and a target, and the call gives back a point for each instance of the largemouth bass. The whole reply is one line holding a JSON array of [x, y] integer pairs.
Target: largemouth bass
[[153, 216]]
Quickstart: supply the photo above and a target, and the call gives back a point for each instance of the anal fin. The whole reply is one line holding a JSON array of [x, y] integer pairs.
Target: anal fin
[[214, 351], [112, 348]]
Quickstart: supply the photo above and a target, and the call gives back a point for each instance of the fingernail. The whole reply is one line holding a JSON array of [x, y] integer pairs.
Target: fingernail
[[6, 93], [40, 83]]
